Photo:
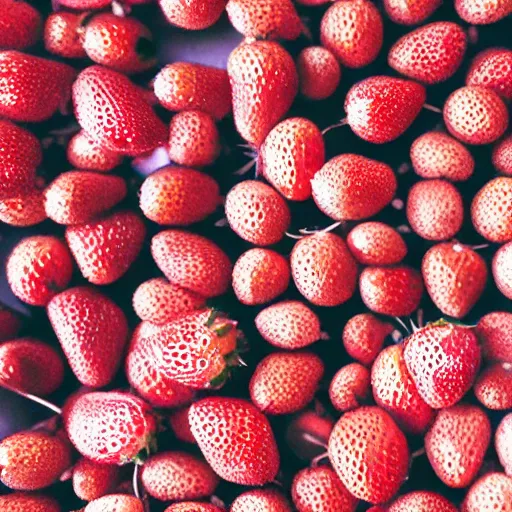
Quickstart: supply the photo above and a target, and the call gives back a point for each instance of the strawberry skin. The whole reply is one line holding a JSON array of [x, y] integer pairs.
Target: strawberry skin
[[24, 210], [503, 443], [492, 492], [92, 481], [193, 506], [422, 501], [82, 5], [20, 25], [502, 269], [93, 354], [236, 439], [350, 387], [493, 387], [494, 332], [480, 12], [410, 12], [10, 323], [192, 14], [85, 153], [502, 156], [25, 502], [61, 35], [261, 500], [492, 69], [178, 421], [115, 503]]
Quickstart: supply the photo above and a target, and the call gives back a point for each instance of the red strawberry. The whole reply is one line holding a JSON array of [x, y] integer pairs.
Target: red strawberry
[[494, 332], [178, 476], [285, 382], [353, 187], [194, 140], [290, 156], [312, 3], [261, 500], [265, 19], [443, 360], [25, 502], [192, 262], [110, 427], [319, 489], [104, 249], [429, 54], [193, 506], [364, 336], [85, 153], [437, 155], [186, 86], [350, 387], [289, 325], [160, 302], [490, 493], [355, 440], [32, 88], [410, 12], [393, 291], [38, 268], [32, 460], [490, 210], [257, 213], [502, 269], [492, 69], [394, 390], [480, 12], [24, 210], [376, 243], [422, 501], [94, 354], [179, 196], [10, 323], [264, 83], [456, 444], [352, 30], [503, 442], [475, 115], [455, 277], [493, 387], [115, 503], [92, 481], [76, 197], [31, 366], [62, 35], [236, 439], [259, 276], [114, 112], [83, 5], [380, 108], [502, 156], [192, 14], [178, 421], [20, 25], [323, 269]]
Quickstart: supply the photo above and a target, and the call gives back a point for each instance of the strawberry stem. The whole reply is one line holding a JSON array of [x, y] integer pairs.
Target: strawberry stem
[[246, 168], [432, 108], [343, 122], [314, 440], [402, 324], [34, 398], [135, 481], [316, 461]]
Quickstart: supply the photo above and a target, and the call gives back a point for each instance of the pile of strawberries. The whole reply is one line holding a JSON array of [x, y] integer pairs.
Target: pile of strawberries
[[275, 358]]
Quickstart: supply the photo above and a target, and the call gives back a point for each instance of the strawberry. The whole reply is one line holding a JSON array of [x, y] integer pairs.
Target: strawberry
[[353, 187], [178, 421], [410, 12], [355, 440], [393, 291], [62, 35], [493, 331], [319, 73], [261, 500], [265, 19], [20, 25], [83, 5], [21, 155], [32, 88], [114, 112], [194, 140], [38, 268], [502, 156], [93, 354], [312, 3], [394, 390], [443, 360], [192, 14], [490, 493], [10, 323], [380, 108], [480, 12], [257, 213], [186, 86], [353, 32], [120, 43], [285, 382], [323, 269], [32, 460], [455, 277], [492, 69], [92, 481], [493, 387], [457, 442], [236, 439], [264, 83], [160, 302], [290, 156], [490, 210], [422, 501], [502, 269], [192, 262], [178, 476], [110, 427], [179, 196], [475, 115], [503, 443], [319, 489], [85, 153], [115, 503], [259, 276], [25, 502], [289, 325], [363, 337], [193, 506], [429, 54], [76, 197], [104, 249], [350, 387], [24, 210], [31, 366], [437, 155], [376, 243]]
